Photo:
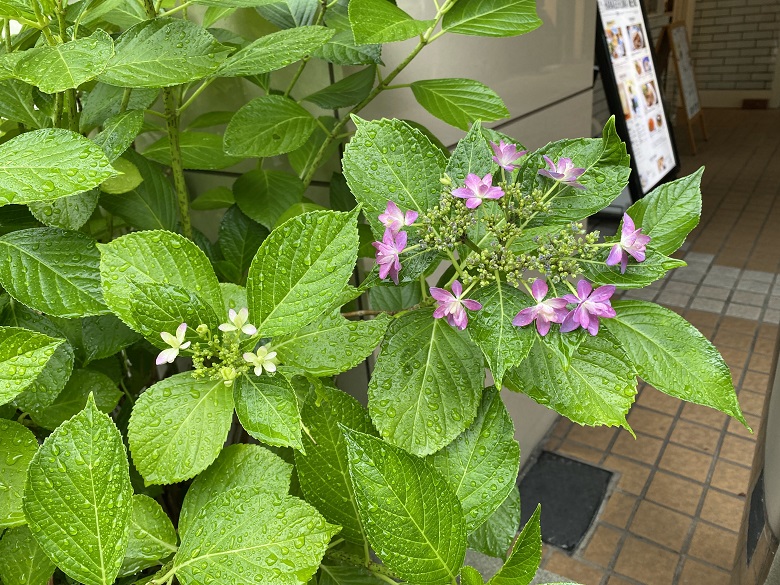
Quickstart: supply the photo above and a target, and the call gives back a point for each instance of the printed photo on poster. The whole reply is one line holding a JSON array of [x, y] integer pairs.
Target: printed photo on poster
[[636, 34], [617, 43]]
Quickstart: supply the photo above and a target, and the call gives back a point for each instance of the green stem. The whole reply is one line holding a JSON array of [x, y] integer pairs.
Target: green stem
[[151, 11], [398, 86], [57, 117], [125, 100], [180, 7], [43, 25], [7, 34], [196, 93], [177, 166], [320, 17], [70, 104], [425, 40], [375, 568]]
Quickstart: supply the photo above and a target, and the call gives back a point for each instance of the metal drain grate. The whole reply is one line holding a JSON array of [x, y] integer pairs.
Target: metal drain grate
[[570, 492]]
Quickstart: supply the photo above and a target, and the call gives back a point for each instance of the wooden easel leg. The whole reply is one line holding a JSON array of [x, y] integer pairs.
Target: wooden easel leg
[[691, 137], [703, 126]]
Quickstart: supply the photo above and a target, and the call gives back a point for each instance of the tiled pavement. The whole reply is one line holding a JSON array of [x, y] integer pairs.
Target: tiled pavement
[[675, 514]]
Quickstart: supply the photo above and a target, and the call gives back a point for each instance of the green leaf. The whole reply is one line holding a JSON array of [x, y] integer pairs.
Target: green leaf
[[426, 385], [151, 205], [346, 575], [268, 409], [78, 497], [481, 465], [214, 14], [216, 198], [199, 151], [526, 555], [68, 213], [471, 155], [494, 537], [104, 336], [268, 126], [53, 271], [55, 68], [341, 49], [299, 268], [345, 92], [119, 132], [237, 466], [637, 275], [289, 13], [16, 9], [162, 53], [470, 576], [211, 119], [49, 382], [459, 102], [22, 560], [235, 3], [323, 470], [593, 383], [178, 427], [671, 355], [46, 164], [239, 240], [252, 532], [395, 298], [669, 212], [152, 537], [266, 195], [163, 307], [151, 257], [275, 51], [17, 447], [16, 104], [408, 175], [492, 18], [503, 344], [606, 174], [128, 179], [24, 354], [104, 102], [74, 397], [332, 344], [411, 515], [307, 154], [379, 21]]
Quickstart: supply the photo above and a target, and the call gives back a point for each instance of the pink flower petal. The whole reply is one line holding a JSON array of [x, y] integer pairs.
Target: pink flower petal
[[441, 294], [525, 317], [615, 255], [457, 288], [471, 304], [539, 289]]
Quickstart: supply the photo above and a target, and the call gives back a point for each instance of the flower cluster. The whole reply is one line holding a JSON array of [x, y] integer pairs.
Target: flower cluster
[[493, 246], [219, 355], [388, 251], [589, 306]]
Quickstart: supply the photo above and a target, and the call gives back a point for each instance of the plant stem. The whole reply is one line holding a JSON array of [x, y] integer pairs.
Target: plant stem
[[363, 313], [70, 104], [183, 6], [196, 93], [320, 17], [151, 11], [57, 117], [7, 34], [375, 568], [425, 39], [125, 100], [177, 165]]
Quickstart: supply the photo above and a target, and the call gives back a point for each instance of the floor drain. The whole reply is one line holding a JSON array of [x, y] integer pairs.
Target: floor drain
[[570, 492]]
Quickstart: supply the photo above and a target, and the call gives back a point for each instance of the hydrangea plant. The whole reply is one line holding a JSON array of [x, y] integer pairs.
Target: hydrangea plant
[[169, 405]]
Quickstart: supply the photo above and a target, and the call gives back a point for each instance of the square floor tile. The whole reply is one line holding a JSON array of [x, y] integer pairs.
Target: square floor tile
[[686, 463], [748, 298], [618, 509], [661, 525], [704, 415], [633, 476], [656, 400], [723, 509], [737, 449], [673, 299], [710, 305], [649, 422], [715, 292], [696, 436], [646, 562], [731, 477], [603, 545], [758, 275], [675, 492], [715, 545], [754, 286], [597, 437], [696, 573], [644, 448], [743, 311], [574, 569]]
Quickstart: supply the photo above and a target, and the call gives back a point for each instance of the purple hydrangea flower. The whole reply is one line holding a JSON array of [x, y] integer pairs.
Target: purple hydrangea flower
[[506, 154], [632, 241], [387, 252], [453, 306], [477, 189], [591, 304], [564, 171], [394, 219], [545, 313]]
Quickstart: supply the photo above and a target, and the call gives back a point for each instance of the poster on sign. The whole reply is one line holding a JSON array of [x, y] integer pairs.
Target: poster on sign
[[627, 66]]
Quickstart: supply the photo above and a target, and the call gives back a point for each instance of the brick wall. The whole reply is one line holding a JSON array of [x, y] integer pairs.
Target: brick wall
[[735, 44]]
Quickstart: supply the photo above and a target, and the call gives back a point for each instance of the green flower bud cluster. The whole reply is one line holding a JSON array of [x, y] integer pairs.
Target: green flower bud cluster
[[446, 224], [218, 357]]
